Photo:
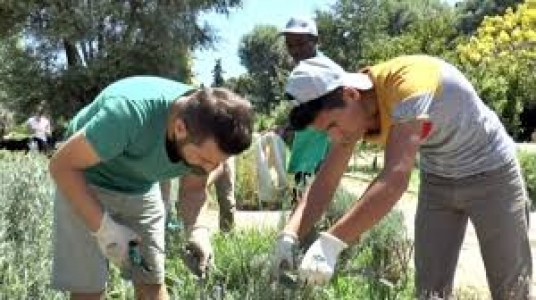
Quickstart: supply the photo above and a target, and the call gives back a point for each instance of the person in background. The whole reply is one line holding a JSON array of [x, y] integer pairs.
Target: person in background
[[413, 105], [108, 207], [309, 146], [40, 129]]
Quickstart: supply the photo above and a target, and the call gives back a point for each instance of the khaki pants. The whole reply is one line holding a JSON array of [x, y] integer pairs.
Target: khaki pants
[[497, 204], [80, 267]]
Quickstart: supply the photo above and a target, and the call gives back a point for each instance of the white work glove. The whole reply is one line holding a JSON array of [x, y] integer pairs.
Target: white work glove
[[198, 254], [113, 240], [285, 252], [318, 264]]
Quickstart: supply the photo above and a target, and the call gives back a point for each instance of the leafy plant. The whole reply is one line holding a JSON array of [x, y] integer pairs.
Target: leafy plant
[[25, 227], [527, 161], [242, 265], [386, 251]]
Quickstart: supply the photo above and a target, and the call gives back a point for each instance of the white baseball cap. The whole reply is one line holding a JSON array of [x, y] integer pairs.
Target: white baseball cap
[[318, 76], [301, 25]]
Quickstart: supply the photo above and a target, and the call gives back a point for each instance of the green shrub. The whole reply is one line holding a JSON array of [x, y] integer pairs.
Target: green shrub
[[242, 258], [246, 186], [25, 227], [385, 252], [379, 262], [246, 180], [278, 116], [527, 161]]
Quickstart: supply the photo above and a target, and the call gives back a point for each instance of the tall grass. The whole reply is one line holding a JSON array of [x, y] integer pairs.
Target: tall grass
[[242, 265], [25, 227]]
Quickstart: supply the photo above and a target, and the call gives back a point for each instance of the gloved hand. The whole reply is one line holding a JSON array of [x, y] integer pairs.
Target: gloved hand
[[113, 240], [198, 253], [319, 261], [285, 252]]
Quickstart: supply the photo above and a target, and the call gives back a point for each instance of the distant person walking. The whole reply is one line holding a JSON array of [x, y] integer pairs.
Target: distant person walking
[[40, 130]]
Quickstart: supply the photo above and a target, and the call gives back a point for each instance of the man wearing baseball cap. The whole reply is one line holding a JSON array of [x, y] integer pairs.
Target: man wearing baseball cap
[[301, 38], [309, 146], [469, 171]]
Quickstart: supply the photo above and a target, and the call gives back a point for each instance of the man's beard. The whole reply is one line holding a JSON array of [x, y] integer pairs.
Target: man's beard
[[174, 150]]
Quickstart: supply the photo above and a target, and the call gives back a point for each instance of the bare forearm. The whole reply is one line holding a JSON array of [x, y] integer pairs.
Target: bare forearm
[[307, 214], [190, 206], [321, 192], [73, 186]]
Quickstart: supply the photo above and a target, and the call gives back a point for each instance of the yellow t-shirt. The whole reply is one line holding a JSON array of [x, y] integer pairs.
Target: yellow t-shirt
[[405, 87], [461, 136]]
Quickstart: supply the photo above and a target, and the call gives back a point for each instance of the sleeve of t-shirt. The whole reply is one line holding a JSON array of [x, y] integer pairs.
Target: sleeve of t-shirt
[[415, 90], [414, 107], [114, 127]]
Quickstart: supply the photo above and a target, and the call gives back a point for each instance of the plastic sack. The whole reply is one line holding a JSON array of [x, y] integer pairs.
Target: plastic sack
[[270, 158]]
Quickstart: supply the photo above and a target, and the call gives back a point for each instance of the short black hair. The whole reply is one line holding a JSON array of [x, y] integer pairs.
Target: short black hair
[[304, 114]]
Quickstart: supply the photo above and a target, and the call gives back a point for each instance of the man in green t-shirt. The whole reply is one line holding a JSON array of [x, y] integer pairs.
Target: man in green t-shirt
[[108, 205]]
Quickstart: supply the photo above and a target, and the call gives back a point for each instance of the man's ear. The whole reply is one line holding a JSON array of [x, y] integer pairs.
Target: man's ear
[[180, 129], [350, 94]]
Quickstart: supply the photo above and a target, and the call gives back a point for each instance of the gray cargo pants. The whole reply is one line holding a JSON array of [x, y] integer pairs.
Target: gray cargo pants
[[497, 204]]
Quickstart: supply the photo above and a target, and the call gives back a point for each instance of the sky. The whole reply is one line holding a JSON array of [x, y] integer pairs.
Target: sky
[[241, 21]]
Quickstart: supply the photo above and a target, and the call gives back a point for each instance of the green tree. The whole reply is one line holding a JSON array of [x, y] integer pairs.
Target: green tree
[[472, 12], [501, 58], [64, 52], [263, 54], [358, 33], [432, 34], [345, 30], [217, 74]]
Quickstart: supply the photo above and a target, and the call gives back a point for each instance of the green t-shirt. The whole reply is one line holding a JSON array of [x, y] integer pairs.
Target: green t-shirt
[[126, 125], [309, 148]]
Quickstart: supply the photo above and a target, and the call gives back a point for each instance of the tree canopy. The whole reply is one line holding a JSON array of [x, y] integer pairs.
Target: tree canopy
[[501, 58], [63, 52]]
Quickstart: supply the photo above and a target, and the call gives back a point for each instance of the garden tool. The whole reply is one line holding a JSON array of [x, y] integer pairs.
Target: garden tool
[[288, 279], [192, 265], [136, 258]]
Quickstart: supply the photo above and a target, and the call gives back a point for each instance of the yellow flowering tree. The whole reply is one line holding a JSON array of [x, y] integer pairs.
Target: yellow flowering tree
[[501, 58], [510, 38]]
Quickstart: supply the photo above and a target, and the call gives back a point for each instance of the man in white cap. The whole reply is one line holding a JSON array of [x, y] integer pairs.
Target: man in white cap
[[301, 38], [413, 105], [309, 146]]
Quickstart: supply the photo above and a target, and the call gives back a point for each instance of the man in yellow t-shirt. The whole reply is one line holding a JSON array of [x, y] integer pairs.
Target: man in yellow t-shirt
[[469, 171]]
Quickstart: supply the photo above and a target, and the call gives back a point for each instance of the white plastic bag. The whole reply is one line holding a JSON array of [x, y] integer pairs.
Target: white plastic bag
[[270, 157]]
